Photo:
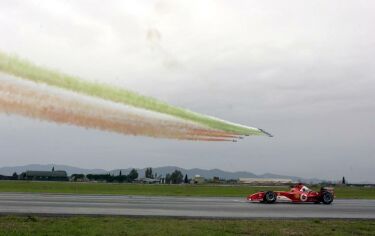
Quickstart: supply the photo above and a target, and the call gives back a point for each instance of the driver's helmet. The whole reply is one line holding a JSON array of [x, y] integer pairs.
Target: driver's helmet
[[305, 189]]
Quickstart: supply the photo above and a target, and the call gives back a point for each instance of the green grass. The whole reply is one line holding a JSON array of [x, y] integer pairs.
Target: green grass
[[128, 189], [17, 225], [24, 69], [355, 192], [162, 190]]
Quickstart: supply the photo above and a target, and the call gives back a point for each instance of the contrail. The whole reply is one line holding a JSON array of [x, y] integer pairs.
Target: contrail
[[40, 93], [36, 101]]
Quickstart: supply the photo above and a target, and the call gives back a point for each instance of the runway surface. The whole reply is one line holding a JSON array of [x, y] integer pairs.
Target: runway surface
[[205, 207]]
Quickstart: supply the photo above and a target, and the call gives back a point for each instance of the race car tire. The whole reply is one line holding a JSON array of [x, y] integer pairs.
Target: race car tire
[[269, 197], [327, 197]]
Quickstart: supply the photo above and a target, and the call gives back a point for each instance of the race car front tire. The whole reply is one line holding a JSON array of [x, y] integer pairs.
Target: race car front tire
[[327, 197], [269, 197]]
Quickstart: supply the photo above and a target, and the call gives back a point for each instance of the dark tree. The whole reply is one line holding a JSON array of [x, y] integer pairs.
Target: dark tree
[[100, 177], [14, 176], [53, 168], [148, 173], [186, 180], [177, 177], [168, 178], [121, 178], [120, 174], [110, 178], [133, 175], [343, 180]]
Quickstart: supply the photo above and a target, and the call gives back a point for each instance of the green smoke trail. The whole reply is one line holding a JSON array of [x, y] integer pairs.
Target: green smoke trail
[[24, 69]]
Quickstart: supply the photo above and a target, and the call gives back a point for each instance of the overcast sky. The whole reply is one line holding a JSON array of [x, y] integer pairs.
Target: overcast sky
[[301, 70]]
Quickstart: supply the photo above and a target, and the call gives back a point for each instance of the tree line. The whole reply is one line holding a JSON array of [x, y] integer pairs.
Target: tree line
[[133, 175], [176, 177]]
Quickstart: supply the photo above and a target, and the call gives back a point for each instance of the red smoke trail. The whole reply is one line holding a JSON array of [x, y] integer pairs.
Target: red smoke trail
[[41, 104], [215, 133]]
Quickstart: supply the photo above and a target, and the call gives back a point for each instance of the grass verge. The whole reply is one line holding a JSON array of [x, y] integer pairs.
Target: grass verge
[[23, 225], [163, 190]]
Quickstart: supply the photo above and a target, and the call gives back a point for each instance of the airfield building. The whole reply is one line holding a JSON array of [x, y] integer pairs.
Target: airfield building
[[58, 175], [197, 179]]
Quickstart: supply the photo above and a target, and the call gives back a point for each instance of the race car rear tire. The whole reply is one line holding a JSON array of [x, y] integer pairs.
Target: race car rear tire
[[269, 197], [327, 197]]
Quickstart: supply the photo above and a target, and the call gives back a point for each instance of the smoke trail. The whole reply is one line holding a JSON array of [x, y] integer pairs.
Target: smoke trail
[[42, 102], [26, 70]]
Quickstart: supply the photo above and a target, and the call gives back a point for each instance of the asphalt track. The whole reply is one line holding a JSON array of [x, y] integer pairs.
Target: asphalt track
[[202, 207]]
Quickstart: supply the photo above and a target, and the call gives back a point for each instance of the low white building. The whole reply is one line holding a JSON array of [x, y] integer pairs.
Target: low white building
[[197, 179], [148, 181]]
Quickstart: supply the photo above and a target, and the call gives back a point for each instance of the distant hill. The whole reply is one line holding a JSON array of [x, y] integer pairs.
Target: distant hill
[[192, 172], [159, 170]]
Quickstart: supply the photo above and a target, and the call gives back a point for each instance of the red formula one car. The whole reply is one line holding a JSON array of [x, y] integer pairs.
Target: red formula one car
[[298, 193]]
